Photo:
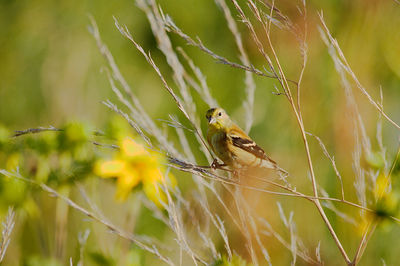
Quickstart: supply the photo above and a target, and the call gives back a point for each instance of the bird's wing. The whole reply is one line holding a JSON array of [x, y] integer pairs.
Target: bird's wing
[[241, 140]]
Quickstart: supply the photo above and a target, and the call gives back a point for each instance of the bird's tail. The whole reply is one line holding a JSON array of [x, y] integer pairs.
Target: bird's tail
[[269, 164]]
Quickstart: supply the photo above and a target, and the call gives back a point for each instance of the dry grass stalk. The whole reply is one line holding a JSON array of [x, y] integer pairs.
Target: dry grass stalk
[[248, 103], [346, 67], [8, 226]]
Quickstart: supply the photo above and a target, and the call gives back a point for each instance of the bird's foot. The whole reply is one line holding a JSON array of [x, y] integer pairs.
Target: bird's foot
[[216, 165]]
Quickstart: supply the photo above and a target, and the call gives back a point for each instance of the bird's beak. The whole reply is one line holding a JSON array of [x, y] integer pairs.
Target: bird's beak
[[212, 120]]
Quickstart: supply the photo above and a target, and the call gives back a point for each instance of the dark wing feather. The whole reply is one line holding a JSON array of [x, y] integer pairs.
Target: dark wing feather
[[250, 146]]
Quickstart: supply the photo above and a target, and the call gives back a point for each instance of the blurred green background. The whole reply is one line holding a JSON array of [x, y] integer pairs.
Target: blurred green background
[[51, 73]]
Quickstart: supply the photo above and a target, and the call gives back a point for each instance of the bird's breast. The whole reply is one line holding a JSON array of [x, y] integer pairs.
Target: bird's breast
[[219, 144]]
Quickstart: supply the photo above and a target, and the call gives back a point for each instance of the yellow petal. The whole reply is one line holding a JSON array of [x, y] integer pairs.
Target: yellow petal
[[145, 162], [363, 225], [154, 184], [155, 193], [131, 148], [111, 168], [152, 174], [125, 183]]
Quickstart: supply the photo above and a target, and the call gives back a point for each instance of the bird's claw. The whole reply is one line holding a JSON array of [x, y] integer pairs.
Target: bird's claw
[[215, 164]]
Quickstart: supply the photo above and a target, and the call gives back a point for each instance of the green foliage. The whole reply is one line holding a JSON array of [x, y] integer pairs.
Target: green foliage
[[135, 257], [41, 261], [55, 157], [98, 258], [116, 128], [388, 205], [4, 136], [72, 137], [375, 160], [13, 192]]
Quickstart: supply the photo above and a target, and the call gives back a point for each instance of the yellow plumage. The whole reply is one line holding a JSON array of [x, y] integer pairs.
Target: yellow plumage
[[233, 146]]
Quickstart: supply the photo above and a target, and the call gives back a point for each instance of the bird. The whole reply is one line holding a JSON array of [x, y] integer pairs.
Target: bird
[[233, 146]]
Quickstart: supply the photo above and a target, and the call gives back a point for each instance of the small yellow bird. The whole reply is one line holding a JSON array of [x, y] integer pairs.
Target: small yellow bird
[[233, 146]]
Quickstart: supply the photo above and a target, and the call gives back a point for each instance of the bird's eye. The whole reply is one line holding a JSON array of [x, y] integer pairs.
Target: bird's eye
[[219, 114]]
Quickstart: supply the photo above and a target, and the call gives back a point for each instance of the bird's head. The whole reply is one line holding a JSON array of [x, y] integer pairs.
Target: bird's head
[[218, 118]]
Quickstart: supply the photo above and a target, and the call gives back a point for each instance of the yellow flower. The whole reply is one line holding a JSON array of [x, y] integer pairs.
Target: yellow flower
[[154, 184], [364, 223], [134, 164], [109, 168], [387, 200], [126, 182], [131, 149], [381, 186]]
